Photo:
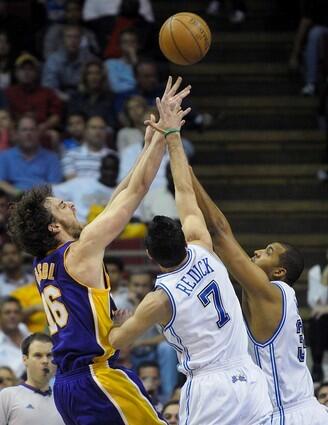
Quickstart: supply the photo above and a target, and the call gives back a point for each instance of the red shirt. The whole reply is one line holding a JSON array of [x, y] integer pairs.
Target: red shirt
[[41, 102]]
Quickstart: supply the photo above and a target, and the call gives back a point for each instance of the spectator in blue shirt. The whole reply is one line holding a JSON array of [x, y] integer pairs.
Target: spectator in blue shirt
[[120, 71], [63, 68], [28, 164]]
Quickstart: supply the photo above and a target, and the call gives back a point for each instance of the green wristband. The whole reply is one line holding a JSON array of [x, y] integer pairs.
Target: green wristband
[[169, 131]]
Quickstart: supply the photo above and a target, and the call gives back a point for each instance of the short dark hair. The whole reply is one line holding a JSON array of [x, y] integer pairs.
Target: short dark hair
[[117, 261], [79, 113], [29, 220], [129, 30], [9, 299], [169, 403], [165, 241], [147, 364], [292, 260], [37, 336]]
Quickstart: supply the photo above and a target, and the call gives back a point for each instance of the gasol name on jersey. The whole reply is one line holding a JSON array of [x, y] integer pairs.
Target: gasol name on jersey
[[189, 281]]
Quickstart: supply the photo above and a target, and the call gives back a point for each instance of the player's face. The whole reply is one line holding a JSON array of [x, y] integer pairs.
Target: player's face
[[268, 259], [7, 378], [171, 414], [38, 362], [65, 213]]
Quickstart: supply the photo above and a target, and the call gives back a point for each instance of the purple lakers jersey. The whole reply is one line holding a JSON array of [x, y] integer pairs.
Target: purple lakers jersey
[[79, 317]]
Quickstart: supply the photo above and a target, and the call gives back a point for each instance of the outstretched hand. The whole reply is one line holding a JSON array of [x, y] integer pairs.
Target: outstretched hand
[[169, 107]]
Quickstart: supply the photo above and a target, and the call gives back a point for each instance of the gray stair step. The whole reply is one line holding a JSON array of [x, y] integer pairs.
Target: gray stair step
[[248, 190], [263, 171], [278, 137], [272, 103], [257, 155], [227, 86]]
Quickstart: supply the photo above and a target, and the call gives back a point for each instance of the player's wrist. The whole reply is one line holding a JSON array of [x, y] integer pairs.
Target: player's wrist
[[171, 131]]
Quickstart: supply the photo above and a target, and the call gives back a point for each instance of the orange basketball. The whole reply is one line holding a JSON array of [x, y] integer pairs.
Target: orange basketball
[[184, 38]]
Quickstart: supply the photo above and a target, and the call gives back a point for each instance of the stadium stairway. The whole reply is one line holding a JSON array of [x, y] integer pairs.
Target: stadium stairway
[[259, 159]]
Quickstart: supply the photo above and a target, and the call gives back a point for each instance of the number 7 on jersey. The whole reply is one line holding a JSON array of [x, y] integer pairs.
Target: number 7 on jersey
[[213, 290]]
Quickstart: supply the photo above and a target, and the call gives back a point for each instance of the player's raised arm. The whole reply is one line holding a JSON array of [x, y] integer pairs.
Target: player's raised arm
[[110, 223], [252, 278], [191, 217]]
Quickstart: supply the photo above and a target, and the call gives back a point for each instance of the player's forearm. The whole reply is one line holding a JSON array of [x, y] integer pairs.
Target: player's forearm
[[216, 221], [146, 169], [125, 182], [179, 164]]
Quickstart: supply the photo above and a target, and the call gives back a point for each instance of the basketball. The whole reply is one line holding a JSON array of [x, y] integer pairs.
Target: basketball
[[184, 38]]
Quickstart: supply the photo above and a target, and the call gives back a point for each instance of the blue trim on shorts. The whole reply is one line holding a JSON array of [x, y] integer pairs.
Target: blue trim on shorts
[[281, 323], [276, 385]]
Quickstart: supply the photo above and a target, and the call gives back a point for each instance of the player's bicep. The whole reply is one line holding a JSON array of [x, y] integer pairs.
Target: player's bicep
[[111, 222], [252, 278]]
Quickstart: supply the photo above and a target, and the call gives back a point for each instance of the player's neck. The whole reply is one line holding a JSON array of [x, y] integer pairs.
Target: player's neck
[[171, 269]]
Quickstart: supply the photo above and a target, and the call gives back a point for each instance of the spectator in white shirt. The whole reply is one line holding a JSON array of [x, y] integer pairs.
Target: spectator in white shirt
[[94, 9], [84, 161], [12, 333], [13, 276], [32, 402]]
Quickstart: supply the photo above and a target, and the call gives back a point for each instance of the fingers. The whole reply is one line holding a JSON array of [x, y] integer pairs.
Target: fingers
[[183, 113], [175, 87], [168, 87], [180, 96], [154, 125], [159, 107]]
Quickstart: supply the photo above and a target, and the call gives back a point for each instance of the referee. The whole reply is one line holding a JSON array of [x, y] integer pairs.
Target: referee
[[32, 402]]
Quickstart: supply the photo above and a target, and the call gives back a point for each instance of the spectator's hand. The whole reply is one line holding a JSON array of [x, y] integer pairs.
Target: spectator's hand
[[319, 311], [132, 54], [120, 316]]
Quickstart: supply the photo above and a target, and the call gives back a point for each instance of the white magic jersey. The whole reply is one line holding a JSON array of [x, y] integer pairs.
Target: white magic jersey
[[283, 360], [207, 326]]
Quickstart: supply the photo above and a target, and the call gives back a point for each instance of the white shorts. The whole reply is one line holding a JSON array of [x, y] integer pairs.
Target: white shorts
[[309, 412], [234, 396]]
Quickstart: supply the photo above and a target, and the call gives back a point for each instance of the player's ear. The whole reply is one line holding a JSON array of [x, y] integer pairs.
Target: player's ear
[[54, 228], [279, 273], [25, 359]]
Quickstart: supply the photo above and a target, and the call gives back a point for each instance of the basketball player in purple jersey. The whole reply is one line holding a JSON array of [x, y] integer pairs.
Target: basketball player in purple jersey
[[75, 289]]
